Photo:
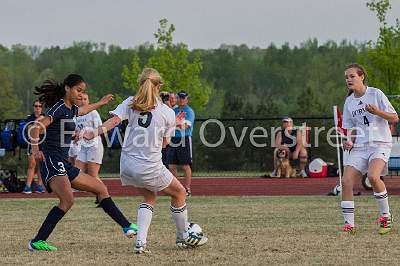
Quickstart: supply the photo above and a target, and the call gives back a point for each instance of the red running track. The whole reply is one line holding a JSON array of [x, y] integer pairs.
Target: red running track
[[237, 187]]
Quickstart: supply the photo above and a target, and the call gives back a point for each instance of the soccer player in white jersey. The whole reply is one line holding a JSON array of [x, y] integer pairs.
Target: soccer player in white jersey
[[367, 112], [151, 124], [90, 155]]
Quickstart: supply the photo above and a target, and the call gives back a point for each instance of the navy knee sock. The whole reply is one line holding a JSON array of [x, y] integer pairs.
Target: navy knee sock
[[54, 216], [112, 210]]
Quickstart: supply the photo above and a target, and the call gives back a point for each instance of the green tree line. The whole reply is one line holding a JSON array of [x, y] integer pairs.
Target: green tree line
[[239, 81]]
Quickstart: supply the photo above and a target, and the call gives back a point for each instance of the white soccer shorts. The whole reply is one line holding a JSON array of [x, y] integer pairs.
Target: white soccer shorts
[[151, 177], [92, 154], [360, 157]]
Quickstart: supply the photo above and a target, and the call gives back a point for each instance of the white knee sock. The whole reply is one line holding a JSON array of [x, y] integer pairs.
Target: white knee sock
[[144, 216], [180, 217], [348, 212], [383, 203]]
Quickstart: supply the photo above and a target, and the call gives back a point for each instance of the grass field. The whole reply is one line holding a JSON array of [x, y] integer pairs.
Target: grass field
[[241, 231]]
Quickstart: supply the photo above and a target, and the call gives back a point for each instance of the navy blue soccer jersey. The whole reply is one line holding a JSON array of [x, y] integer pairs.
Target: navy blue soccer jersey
[[59, 132]]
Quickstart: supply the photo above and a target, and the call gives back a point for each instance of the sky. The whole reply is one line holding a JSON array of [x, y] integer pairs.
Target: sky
[[199, 24]]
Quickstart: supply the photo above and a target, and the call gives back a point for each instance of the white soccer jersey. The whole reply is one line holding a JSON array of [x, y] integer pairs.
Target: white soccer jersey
[[369, 127], [144, 134], [89, 122]]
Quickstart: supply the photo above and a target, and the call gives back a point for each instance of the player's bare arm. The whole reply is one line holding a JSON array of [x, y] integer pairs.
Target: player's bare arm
[[106, 126], [390, 117], [90, 107]]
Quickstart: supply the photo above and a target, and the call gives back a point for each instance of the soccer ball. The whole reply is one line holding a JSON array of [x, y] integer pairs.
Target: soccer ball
[[195, 229], [195, 236], [337, 190]]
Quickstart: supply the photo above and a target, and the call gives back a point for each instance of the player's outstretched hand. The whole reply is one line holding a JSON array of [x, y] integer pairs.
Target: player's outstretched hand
[[106, 99], [372, 109]]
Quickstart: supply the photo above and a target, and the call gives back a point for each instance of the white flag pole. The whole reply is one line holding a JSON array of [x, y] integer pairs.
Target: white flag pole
[[338, 144]]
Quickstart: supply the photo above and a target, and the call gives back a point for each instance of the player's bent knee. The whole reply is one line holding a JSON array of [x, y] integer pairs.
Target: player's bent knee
[[66, 203], [180, 193], [102, 191], [347, 182], [374, 179]]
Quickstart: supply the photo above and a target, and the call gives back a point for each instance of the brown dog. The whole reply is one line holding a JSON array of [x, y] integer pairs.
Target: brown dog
[[284, 168]]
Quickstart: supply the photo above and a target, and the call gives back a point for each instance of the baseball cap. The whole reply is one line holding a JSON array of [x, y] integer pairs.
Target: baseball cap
[[286, 119], [182, 94]]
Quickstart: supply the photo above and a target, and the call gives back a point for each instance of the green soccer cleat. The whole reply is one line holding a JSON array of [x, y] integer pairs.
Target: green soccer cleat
[[130, 231], [40, 245], [385, 224]]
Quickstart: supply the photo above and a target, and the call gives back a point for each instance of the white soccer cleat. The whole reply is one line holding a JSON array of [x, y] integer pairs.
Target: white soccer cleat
[[180, 243], [140, 248]]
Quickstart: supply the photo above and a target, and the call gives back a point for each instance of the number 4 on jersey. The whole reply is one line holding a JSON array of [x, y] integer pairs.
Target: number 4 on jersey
[[366, 122]]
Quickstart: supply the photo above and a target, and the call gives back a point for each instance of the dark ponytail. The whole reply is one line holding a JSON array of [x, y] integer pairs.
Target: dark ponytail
[[51, 91], [360, 72]]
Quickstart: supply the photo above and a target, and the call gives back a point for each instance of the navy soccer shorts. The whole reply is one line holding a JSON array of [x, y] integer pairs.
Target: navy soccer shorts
[[56, 165]]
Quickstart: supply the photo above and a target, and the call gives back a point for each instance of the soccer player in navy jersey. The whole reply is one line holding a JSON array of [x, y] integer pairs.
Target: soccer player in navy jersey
[[59, 176]]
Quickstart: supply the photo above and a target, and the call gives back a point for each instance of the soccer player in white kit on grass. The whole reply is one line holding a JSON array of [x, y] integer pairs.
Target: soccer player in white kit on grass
[[366, 114], [90, 156], [151, 124], [87, 155]]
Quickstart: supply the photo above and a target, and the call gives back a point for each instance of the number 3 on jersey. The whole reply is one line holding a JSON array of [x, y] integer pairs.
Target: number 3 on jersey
[[366, 122], [62, 168], [145, 120]]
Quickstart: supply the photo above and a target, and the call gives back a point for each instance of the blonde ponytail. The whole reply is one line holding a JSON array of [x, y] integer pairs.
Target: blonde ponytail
[[147, 96]]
